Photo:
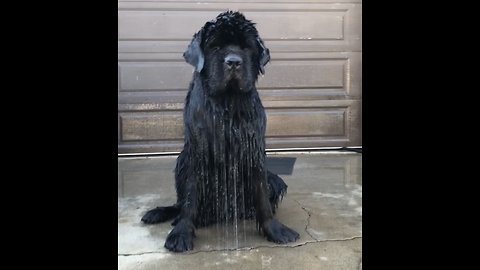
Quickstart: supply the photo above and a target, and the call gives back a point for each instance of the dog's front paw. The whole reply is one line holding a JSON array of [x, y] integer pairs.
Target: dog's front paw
[[180, 239], [156, 215], [279, 233]]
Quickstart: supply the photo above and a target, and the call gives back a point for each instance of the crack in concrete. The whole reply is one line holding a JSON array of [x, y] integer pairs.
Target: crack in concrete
[[302, 244], [308, 218], [244, 248]]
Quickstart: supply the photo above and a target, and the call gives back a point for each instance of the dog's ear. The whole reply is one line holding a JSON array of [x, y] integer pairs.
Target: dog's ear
[[194, 55], [264, 55]]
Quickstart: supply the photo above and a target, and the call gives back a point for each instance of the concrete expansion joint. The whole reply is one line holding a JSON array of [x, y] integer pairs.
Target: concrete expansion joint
[[245, 248], [248, 248]]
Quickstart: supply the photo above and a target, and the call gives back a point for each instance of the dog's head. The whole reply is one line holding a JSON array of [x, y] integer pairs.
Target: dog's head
[[228, 53]]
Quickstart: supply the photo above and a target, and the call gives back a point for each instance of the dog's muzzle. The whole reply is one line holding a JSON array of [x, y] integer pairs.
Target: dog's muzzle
[[233, 61]]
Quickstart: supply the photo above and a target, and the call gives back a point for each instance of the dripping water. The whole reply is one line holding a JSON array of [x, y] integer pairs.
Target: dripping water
[[227, 187], [234, 164], [217, 201]]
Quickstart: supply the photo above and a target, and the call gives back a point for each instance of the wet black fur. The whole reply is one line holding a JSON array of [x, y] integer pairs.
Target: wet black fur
[[220, 174]]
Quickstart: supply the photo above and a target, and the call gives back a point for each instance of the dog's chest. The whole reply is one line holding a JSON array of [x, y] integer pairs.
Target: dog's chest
[[234, 133], [237, 125]]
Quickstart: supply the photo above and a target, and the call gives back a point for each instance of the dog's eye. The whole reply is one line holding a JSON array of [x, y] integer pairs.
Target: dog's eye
[[215, 48]]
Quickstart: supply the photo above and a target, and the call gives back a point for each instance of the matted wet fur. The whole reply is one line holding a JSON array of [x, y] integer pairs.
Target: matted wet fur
[[220, 175]]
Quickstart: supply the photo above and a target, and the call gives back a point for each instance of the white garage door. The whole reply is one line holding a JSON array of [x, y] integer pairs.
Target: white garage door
[[312, 86]]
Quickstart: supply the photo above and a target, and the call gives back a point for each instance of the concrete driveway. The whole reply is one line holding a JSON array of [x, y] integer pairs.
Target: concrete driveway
[[323, 204]]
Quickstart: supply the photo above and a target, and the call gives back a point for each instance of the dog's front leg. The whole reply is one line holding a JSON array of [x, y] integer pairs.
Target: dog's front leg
[[180, 239], [273, 230]]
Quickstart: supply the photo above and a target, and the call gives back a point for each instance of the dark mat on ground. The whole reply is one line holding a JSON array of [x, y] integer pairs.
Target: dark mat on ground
[[281, 165]]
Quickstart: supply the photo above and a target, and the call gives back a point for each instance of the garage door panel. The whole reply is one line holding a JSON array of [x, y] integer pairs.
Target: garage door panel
[[162, 26], [281, 123], [163, 146], [152, 126], [333, 123], [311, 74], [293, 25], [177, 76], [152, 24], [155, 76], [309, 122]]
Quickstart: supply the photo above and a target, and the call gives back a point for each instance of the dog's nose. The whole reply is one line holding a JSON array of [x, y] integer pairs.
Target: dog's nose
[[233, 60]]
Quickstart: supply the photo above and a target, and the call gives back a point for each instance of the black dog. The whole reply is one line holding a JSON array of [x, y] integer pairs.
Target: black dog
[[220, 174]]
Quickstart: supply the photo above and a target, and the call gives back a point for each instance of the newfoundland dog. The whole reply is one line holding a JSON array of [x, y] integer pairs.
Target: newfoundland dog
[[220, 176]]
